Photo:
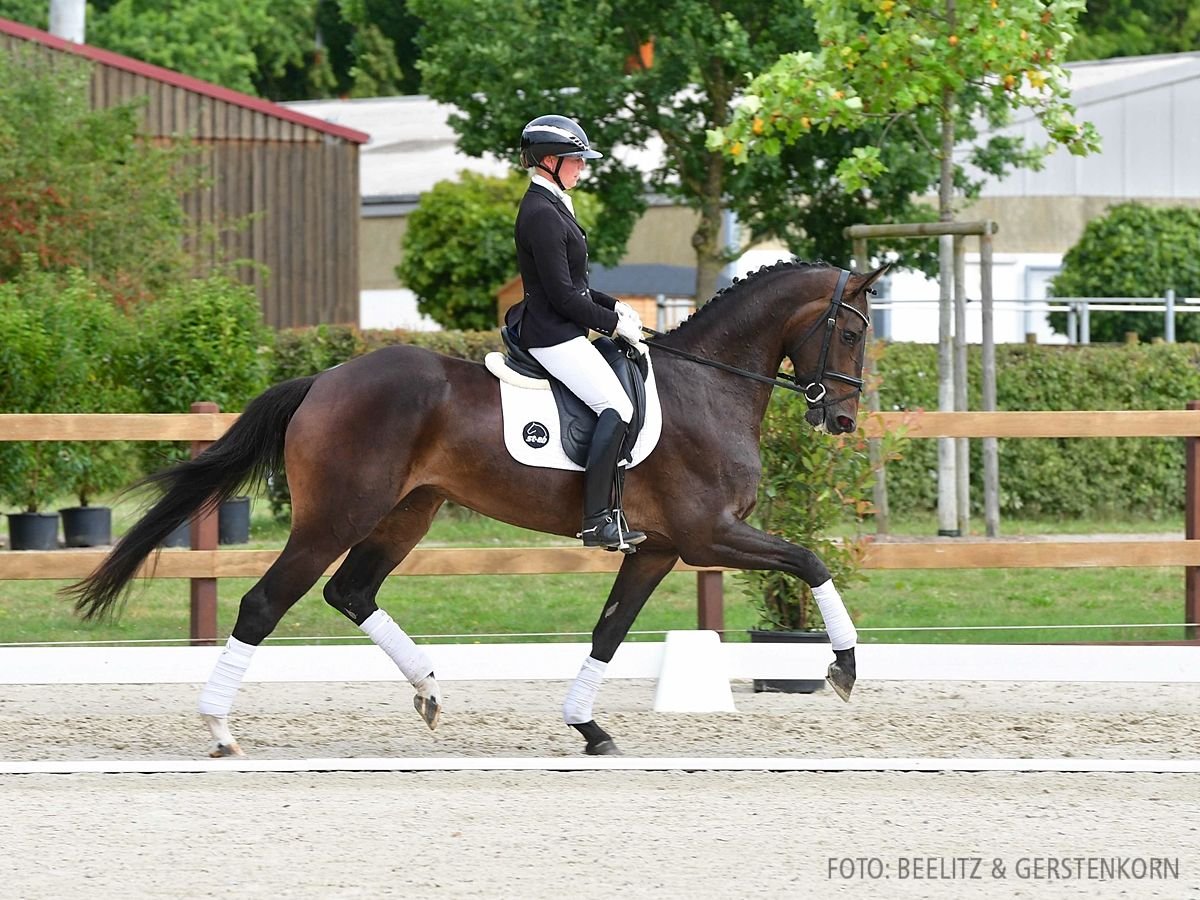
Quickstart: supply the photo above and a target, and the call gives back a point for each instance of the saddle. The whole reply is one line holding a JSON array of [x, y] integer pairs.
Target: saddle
[[577, 422]]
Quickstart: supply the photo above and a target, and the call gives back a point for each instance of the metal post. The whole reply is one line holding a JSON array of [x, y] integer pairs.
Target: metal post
[[1072, 323], [1169, 323], [204, 537], [1191, 524], [710, 602], [1085, 322], [991, 449], [962, 446]]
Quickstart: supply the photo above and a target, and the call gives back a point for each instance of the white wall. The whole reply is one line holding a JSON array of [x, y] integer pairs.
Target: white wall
[[1015, 277], [393, 309]]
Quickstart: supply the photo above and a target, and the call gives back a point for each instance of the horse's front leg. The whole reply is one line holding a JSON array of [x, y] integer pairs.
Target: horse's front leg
[[741, 546], [640, 574]]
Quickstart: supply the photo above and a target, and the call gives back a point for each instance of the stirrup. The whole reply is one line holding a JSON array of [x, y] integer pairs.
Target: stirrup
[[607, 532]]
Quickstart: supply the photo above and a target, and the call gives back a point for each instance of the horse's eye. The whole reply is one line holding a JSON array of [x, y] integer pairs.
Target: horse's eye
[[850, 338]]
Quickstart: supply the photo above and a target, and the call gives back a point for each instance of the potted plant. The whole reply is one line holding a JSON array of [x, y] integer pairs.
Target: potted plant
[[38, 371], [815, 491], [103, 336]]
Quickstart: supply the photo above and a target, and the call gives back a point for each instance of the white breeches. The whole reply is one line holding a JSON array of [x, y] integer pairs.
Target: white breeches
[[579, 365]]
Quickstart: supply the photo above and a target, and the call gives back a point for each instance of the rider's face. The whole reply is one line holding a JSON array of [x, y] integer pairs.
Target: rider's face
[[572, 168]]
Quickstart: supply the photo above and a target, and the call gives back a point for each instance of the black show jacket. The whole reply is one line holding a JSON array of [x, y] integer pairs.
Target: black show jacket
[[552, 257]]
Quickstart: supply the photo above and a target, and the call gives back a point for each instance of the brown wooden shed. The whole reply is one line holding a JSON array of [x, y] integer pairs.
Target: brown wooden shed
[[295, 176]]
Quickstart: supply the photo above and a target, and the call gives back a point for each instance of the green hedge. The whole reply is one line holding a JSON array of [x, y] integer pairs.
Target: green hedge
[[1055, 478]]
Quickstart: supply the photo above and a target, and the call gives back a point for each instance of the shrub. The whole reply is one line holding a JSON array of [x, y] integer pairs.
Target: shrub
[[80, 188], [1056, 478], [458, 247], [203, 340], [815, 491], [1134, 251], [60, 341]]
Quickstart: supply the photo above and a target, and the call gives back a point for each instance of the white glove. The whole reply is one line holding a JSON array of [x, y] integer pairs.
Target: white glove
[[628, 327], [625, 310]]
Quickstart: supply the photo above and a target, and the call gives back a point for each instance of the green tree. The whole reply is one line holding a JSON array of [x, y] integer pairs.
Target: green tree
[[458, 247], [1134, 251], [1136, 27], [280, 49], [529, 57], [80, 188], [934, 65]]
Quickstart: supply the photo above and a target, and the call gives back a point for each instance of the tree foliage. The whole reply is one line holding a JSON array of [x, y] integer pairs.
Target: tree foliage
[[815, 491], [80, 188], [647, 80], [458, 247], [1110, 28], [893, 62], [1134, 251], [279, 49], [61, 337]]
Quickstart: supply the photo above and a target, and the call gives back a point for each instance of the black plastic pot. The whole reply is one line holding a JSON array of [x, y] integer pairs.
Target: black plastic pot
[[87, 526], [789, 685], [33, 531], [233, 521], [180, 537]]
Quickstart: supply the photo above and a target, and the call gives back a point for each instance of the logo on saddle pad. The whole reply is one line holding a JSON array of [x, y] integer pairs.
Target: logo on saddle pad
[[536, 435]]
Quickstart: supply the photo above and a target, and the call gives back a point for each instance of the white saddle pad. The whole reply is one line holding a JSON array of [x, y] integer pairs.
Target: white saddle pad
[[531, 429]]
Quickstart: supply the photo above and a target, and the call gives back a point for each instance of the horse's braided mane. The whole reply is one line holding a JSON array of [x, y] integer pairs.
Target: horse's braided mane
[[741, 285]]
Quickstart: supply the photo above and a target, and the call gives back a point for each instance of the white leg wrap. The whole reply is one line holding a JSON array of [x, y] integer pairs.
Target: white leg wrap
[[577, 708], [408, 657], [842, 634], [226, 679]]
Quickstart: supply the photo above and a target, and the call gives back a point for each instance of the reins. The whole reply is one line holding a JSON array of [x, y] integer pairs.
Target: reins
[[783, 379]]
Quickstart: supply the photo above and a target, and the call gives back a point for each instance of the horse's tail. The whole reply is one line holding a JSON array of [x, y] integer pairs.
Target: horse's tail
[[248, 452]]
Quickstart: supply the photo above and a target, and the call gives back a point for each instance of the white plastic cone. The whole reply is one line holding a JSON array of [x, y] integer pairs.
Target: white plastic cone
[[693, 677]]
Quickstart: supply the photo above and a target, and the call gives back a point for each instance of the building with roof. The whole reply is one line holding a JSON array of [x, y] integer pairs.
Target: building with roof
[[291, 177], [1144, 110], [411, 148]]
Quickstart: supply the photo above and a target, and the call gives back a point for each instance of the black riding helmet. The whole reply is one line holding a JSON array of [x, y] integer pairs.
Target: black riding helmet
[[555, 136]]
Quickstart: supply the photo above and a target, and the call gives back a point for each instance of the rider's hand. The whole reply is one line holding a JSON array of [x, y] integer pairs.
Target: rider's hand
[[624, 310], [628, 327]]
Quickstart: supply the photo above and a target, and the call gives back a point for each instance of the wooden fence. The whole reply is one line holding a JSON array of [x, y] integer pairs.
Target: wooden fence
[[204, 564]]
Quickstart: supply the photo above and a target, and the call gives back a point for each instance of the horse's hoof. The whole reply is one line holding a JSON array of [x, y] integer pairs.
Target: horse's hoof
[[841, 673], [607, 747], [222, 751], [599, 743], [430, 710]]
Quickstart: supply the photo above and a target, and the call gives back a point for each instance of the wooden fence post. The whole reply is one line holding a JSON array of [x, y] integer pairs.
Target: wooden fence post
[[204, 537], [1191, 525], [710, 602]]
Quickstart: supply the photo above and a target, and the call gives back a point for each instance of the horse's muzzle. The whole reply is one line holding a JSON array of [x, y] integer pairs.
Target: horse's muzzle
[[830, 420]]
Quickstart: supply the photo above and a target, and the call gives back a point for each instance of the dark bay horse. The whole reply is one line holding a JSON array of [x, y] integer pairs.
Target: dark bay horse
[[372, 448]]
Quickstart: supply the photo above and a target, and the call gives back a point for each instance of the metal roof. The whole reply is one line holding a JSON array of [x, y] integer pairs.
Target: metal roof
[[176, 79]]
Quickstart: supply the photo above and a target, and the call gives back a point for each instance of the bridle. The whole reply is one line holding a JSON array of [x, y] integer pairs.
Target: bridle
[[814, 391]]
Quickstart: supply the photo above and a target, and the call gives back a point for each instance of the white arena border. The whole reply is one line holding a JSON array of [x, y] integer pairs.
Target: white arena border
[[681, 653], [601, 764], [693, 670]]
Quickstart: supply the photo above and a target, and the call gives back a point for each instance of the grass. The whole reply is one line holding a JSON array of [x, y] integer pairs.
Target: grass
[[946, 605]]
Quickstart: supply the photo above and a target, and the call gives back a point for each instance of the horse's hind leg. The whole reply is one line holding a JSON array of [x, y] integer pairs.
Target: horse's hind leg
[[352, 590], [297, 569], [640, 574]]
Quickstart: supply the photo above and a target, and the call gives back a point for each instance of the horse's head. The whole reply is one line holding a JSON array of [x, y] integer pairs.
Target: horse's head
[[826, 342]]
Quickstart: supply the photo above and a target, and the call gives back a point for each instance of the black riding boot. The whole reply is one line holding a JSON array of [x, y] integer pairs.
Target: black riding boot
[[600, 527]]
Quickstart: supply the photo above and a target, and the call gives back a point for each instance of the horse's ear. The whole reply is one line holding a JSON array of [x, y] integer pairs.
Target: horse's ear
[[870, 278]]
